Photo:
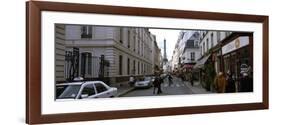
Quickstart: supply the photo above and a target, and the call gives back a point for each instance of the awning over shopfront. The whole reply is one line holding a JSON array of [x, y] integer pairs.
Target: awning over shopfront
[[187, 66], [200, 63]]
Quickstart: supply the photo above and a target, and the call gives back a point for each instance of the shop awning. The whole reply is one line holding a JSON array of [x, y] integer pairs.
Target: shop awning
[[187, 66], [200, 63]]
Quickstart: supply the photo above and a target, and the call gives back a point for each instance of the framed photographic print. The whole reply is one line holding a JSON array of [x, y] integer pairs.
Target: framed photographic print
[[93, 62]]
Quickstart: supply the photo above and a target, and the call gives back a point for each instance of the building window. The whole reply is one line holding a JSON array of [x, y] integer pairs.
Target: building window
[[203, 48], [129, 41], [212, 40], [121, 35], [218, 37], [134, 67], [83, 65], [120, 64], [142, 68], [138, 67], [89, 57], [196, 43], [207, 45], [86, 64], [190, 44], [86, 32], [138, 46], [192, 56], [128, 66], [134, 42], [142, 49], [145, 68]]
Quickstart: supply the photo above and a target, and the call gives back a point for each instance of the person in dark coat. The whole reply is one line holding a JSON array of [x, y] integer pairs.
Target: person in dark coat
[[246, 83], [157, 84], [170, 78], [191, 79], [230, 88]]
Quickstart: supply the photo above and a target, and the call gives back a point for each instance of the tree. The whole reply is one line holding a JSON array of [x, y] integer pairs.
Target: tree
[[210, 75]]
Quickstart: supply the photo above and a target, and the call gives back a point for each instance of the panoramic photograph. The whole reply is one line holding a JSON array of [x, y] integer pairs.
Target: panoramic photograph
[[111, 62]]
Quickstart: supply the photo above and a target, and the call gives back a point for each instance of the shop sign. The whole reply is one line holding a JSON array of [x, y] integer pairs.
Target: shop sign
[[235, 44], [244, 68]]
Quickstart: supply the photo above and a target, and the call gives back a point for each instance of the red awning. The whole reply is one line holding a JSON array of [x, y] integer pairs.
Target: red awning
[[187, 66]]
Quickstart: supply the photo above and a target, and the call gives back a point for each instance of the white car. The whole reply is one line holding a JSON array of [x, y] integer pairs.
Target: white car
[[86, 90], [146, 83]]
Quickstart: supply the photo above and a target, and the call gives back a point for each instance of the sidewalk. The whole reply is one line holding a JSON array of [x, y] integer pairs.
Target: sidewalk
[[122, 88], [196, 88]]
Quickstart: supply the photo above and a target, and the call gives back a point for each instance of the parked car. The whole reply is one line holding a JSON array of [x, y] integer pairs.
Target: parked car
[[59, 90], [61, 87], [144, 83], [86, 90]]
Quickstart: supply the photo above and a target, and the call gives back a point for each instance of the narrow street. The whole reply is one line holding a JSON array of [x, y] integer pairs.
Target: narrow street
[[177, 88], [209, 58]]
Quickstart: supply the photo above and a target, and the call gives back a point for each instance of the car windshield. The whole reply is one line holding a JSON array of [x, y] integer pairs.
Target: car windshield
[[70, 92]]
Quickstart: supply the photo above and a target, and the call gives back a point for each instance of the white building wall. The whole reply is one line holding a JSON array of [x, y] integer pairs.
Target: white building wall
[[72, 32], [187, 55], [60, 52], [101, 32]]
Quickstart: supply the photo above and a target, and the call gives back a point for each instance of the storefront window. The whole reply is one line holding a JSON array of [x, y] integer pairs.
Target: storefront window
[[244, 61], [237, 62]]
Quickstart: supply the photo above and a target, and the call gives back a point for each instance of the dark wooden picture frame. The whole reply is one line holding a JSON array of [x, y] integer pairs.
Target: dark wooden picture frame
[[33, 61]]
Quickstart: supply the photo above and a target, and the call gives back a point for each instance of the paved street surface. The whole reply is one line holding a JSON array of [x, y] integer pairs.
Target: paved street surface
[[177, 88]]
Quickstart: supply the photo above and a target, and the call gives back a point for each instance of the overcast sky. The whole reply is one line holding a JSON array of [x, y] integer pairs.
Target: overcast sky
[[171, 37]]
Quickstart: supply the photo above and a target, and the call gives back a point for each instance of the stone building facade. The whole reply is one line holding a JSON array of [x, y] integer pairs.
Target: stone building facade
[[127, 51]]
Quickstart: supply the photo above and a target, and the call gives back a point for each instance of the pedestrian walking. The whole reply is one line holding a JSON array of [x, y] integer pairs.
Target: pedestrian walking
[[170, 78], [154, 84], [191, 79], [131, 81], [220, 83], [230, 83], [157, 85]]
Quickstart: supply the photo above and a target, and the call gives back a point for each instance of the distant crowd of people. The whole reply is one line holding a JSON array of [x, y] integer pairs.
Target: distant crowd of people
[[223, 83]]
